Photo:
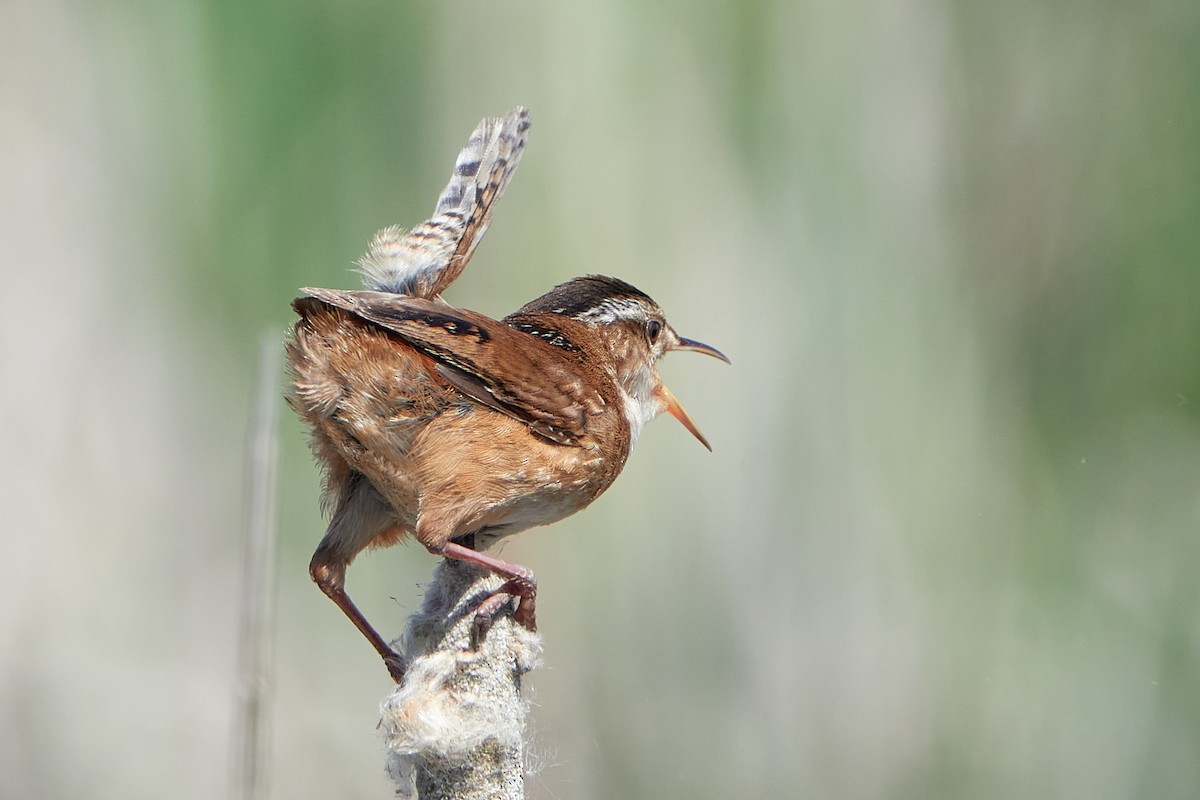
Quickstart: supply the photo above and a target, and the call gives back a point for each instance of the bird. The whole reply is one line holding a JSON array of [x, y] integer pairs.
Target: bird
[[445, 425]]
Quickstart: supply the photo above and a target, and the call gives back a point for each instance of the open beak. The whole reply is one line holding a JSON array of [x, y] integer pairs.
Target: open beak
[[673, 406], [678, 413]]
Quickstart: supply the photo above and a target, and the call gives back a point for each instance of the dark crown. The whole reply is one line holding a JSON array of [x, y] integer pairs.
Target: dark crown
[[591, 297]]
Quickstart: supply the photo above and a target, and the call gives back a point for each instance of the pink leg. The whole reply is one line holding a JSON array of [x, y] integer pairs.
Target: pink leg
[[519, 582], [330, 575]]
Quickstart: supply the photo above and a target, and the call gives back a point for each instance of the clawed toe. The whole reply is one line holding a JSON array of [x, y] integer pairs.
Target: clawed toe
[[395, 667], [486, 613]]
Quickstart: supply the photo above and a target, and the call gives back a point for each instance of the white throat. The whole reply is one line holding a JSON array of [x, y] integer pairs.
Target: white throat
[[638, 411]]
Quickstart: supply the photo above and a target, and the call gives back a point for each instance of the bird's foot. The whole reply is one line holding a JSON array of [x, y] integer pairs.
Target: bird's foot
[[395, 666], [523, 587]]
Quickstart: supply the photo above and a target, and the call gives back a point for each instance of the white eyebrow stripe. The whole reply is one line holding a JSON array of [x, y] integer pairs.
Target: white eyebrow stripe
[[613, 309]]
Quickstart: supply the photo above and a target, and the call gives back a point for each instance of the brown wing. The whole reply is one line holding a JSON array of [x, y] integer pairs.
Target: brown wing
[[501, 367], [424, 261]]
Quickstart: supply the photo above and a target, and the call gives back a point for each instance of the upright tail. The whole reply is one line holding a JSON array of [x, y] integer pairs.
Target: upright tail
[[424, 261]]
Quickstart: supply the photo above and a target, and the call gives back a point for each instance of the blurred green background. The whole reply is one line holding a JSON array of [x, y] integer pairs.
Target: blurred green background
[[948, 543]]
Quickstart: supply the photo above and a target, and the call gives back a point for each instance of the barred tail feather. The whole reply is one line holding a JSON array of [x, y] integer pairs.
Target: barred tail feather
[[424, 261]]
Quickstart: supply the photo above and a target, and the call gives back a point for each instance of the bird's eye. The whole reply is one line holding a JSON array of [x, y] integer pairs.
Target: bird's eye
[[653, 328]]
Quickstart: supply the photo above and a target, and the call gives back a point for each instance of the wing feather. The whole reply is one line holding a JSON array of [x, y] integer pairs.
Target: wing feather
[[535, 383]]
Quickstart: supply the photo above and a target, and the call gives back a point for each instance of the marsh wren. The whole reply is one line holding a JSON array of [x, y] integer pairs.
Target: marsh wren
[[458, 429]]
